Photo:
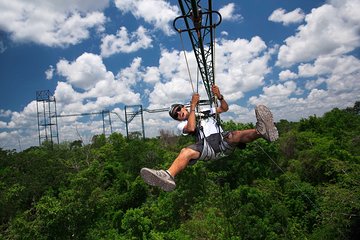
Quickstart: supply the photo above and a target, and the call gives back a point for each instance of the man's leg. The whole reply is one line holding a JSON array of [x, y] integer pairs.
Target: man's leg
[[242, 136], [265, 128], [165, 179], [180, 163]]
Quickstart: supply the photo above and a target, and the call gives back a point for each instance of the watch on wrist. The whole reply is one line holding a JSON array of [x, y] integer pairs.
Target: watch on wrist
[[221, 97]]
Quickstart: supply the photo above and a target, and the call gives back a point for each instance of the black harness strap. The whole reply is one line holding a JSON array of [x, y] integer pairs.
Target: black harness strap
[[208, 152]]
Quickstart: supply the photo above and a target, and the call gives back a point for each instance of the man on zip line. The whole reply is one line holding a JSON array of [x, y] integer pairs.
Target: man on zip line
[[212, 142]]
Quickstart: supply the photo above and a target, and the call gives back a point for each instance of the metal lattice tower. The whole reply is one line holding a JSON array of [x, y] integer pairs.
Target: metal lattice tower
[[47, 117], [132, 111], [198, 22]]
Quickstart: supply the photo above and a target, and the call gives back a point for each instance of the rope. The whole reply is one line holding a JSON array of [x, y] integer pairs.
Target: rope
[[302, 193], [197, 79], [277, 165], [214, 54], [187, 63]]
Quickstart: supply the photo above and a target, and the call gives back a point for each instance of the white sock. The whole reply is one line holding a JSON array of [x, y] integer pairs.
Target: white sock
[[168, 172]]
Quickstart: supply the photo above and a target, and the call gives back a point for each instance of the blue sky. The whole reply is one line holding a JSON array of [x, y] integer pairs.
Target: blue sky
[[298, 57]]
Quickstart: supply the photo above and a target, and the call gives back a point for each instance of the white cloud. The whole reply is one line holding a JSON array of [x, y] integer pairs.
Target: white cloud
[[286, 75], [175, 83], [85, 71], [329, 30], [99, 88], [5, 113], [2, 47], [156, 12], [51, 23], [322, 65], [280, 15], [26, 118], [224, 33], [280, 90], [151, 75], [338, 77], [339, 73], [165, 94], [228, 13], [106, 93], [20, 131], [125, 42], [345, 76], [241, 66], [3, 124], [131, 75], [313, 84], [239, 114], [49, 73], [275, 95], [66, 95]]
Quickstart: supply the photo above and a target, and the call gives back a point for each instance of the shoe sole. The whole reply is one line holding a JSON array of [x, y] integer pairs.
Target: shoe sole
[[152, 179], [265, 115]]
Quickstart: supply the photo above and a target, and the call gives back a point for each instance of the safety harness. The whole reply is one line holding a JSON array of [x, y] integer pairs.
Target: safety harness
[[222, 148]]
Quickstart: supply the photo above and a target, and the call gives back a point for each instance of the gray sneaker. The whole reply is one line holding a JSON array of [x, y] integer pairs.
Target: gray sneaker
[[265, 124], [159, 178]]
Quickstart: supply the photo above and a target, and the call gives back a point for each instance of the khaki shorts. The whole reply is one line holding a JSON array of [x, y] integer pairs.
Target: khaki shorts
[[213, 147]]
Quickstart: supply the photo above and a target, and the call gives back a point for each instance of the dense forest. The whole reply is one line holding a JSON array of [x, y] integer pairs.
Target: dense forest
[[304, 186]]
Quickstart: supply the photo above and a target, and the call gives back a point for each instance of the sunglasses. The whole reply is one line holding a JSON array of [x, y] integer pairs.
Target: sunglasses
[[177, 110]]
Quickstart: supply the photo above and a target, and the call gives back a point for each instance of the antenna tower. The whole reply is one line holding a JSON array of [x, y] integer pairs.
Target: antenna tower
[[131, 111], [47, 117]]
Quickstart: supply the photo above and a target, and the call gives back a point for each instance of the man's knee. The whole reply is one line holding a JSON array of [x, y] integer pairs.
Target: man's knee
[[231, 136], [234, 139], [189, 153]]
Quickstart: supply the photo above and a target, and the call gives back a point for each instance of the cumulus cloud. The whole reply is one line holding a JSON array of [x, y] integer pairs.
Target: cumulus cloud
[[176, 90], [49, 73], [132, 74], [333, 83], [85, 71], [340, 74], [280, 15], [125, 42], [175, 84], [228, 13], [275, 96], [156, 12], [5, 113], [21, 129], [51, 23], [241, 66], [224, 33], [91, 87], [239, 114], [2, 47], [323, 65], [314, 84], [286, 75], [331, 29], [151, 75]]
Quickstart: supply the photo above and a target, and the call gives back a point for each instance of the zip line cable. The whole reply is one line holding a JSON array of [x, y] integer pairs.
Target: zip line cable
[[277, 165], [302, 192]]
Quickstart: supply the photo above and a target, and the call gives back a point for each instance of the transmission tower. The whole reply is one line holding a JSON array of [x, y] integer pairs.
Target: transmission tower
[[132, 111], [47, 117]]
